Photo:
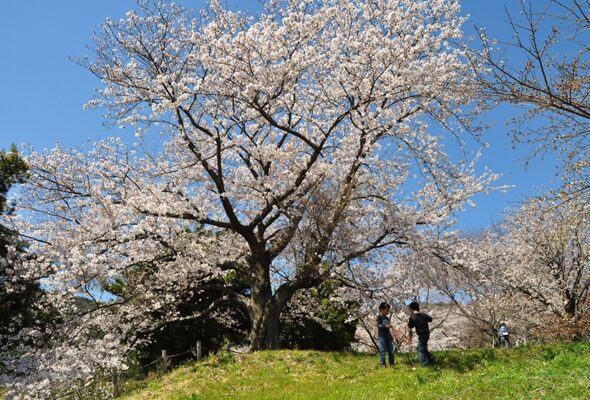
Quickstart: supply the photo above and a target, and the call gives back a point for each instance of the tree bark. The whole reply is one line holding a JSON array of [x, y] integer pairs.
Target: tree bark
[[264, 316], [263, 310], [264, 334]]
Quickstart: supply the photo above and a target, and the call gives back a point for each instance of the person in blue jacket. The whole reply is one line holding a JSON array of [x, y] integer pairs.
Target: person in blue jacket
[[504, 334]]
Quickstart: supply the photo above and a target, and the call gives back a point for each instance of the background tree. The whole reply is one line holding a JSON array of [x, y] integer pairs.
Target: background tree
[[13, 170], [331, 327], [19, 292], [549, 252], [545, 69], [16, 293], [531, 270]]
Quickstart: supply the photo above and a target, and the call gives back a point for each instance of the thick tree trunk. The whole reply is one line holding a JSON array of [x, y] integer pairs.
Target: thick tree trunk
[[265, 307], [263, 310], [264, 333]]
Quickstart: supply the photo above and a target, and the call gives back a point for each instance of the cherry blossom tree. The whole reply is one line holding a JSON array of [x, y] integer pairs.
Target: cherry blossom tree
[[550, 250], [299, 145], [544, 69], [292, 132], [530, 269]]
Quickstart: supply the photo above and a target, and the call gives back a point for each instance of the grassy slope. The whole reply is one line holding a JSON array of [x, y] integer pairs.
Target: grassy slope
[[548, 372]]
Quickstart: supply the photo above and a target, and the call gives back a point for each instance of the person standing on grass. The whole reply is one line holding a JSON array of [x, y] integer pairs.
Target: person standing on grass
[[420, 321], [385, 338], [504, 335]]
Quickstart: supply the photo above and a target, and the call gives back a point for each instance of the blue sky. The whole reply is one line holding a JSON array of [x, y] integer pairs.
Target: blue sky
[[42, 93]]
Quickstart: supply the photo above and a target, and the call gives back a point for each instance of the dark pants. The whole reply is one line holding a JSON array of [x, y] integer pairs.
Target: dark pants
[[424, 356], [385, 344], [504, 340]]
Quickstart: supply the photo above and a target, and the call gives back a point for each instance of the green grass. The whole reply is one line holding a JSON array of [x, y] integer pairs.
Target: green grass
[[537, 372]]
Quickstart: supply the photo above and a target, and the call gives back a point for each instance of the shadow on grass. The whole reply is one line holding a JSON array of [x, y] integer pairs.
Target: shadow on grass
[[458, 361], [466, 361]]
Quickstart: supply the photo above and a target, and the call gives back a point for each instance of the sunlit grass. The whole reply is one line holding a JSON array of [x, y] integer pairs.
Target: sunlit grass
[[553, 372]]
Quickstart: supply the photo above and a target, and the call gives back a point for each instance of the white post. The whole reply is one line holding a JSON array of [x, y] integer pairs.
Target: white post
[[115, 377], [199, 350], [164, 361]]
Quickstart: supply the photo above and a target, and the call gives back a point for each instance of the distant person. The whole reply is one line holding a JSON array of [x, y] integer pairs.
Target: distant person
[[420, 321], [385, 338], [504, 335]]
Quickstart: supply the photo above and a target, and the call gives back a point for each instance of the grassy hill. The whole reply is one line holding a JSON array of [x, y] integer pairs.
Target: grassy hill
[[536, 372]]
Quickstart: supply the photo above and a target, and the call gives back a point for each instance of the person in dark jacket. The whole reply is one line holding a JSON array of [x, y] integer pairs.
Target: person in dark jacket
[[385, 338], [419, 321]]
